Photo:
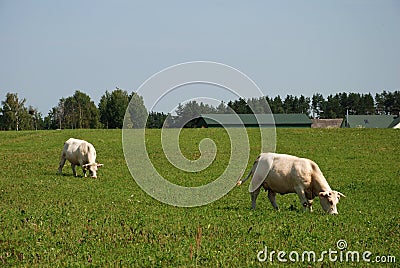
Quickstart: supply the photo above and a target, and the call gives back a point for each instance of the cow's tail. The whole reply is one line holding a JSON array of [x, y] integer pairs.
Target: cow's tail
[[252, 170]]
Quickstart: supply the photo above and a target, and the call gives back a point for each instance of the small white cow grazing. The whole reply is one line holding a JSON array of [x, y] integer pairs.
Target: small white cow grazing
[[283, 174], [79, 153]]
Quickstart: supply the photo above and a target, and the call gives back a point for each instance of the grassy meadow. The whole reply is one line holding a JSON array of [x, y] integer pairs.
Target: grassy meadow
[[60, 220]]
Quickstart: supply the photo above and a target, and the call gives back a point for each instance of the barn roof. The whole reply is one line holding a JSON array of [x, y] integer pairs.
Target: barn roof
[[369, 121], [258, 119], [327, 123], [296, 119], [395, 123]]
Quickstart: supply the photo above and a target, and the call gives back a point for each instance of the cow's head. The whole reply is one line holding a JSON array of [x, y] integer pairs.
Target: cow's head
[[92, 167], [329, 200]]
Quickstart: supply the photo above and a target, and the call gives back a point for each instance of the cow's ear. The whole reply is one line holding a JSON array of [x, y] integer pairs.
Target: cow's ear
[[342, 195], [100, 165], [323, 194], [85, 165]]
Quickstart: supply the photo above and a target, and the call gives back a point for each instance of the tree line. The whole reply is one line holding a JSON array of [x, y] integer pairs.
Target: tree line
[[79, 111], [76, 111], [334, 106]]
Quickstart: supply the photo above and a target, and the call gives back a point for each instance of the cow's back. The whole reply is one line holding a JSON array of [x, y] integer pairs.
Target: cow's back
[[79, 152], [289, 173]]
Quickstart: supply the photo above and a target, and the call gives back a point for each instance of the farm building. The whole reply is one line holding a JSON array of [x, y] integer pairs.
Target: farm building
[[395, 123], [250, 120], [327, 123], [371, 121]]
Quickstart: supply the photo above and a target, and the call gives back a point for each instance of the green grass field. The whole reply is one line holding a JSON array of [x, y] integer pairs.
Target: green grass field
[[52, 220]]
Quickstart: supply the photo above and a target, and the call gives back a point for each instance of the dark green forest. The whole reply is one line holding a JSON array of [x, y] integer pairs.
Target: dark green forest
[[79, 110]]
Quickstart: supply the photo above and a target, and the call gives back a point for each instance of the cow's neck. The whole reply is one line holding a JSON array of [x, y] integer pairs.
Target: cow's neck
[[321, 185]]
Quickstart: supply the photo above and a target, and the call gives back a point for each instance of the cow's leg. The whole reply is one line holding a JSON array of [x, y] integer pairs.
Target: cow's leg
[[310, 205], [73, 166], [272, 199], [62, 162], [84, 172], [303, 199], [254, 196], [309, 197]]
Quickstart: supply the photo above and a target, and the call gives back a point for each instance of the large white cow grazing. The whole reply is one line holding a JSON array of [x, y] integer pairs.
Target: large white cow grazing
[[283, 174], [79, 153]]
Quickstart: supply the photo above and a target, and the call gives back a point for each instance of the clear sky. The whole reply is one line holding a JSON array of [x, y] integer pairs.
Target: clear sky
[[49, 49]]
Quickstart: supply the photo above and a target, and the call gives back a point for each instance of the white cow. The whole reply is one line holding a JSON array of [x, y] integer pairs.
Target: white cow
[[79, 153], [283, 174]]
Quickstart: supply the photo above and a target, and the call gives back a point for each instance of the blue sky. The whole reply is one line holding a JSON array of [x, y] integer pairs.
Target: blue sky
[[49, 49]]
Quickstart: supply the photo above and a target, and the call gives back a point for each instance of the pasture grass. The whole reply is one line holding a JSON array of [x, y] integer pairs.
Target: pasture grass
[[52, 220]]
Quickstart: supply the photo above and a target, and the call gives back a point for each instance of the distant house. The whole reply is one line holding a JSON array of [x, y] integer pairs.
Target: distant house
[[327, 123], [251, 120], [395, 123], [371, 121]]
